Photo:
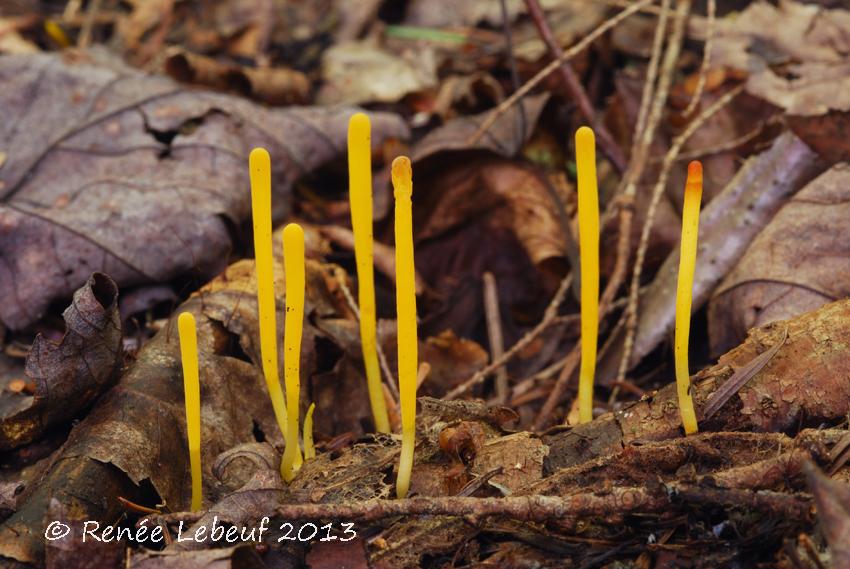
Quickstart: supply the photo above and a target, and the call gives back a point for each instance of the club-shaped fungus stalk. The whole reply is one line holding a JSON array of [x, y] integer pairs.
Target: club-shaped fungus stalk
[[293, 267], [360, 197], [588, 229], [408, 363], [192, 396], [684, 291], [261, 205], [309, 448]]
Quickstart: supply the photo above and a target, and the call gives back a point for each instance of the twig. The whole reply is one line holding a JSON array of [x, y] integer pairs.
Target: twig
[[706, 58], [546, 71], [657, 192], [84, 39], [575, 89], [509, 51], [548, 318], [389, 379], [494, 334], [651, 74], [615, 501], [523, 508], [725, 146], [570, 363]]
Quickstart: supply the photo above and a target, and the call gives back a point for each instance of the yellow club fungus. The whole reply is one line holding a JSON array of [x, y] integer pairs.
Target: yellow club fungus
[[192, 395], [293, 266], [588, 228], [360, 197], [406, 316], [684, 291], [309, 448], [261, 205]]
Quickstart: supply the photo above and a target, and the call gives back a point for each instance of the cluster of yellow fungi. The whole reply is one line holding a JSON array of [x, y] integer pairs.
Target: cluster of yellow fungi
[[588, 222], [286, 409]]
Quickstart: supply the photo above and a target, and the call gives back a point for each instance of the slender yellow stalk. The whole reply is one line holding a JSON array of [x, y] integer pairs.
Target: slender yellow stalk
[[360, 197], [588, 228], [309, 448], [293, 266], [406, 316], [261, 204], [192, 396], [684, 292]]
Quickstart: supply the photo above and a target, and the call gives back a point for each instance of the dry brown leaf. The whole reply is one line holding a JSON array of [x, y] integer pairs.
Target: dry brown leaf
[[113, 170], [361, 72], [796, 58], [272, 85], [487, 214], [506, 137], [799, 262], [71, 373]]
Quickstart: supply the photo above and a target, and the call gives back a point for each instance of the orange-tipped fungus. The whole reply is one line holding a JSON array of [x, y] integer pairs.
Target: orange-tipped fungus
[[406, 316], [293, 263], [309, 448], [684, 291], [360, 197], [192, 395], [588, 228], [261, 205]]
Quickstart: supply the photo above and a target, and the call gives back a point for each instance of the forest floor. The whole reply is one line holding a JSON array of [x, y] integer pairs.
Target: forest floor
[[125, 130]]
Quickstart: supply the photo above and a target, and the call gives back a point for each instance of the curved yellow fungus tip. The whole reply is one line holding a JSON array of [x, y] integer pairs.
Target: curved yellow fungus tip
[[293, 266], [360, 198], [684, 291], [588, 228], [192, 395], [408, 363], [259, 165], [309, 448]]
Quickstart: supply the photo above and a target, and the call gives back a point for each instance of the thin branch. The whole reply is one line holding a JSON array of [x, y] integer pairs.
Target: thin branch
[[575, 89], [706, 58], [494, 333]]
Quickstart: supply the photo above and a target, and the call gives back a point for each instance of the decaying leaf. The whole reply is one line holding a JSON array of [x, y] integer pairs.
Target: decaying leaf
[[506, 137], [799, 262], [114, 170], [796, 56], [70, 374], [361, 72], [273, 85]]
